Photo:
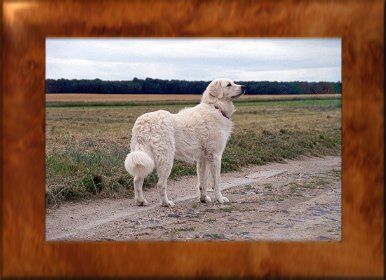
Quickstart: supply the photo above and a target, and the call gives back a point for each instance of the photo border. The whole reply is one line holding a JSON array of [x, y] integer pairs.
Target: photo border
[[26, 24]]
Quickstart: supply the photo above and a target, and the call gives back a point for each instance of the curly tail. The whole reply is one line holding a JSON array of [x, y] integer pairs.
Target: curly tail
[[139, 163]]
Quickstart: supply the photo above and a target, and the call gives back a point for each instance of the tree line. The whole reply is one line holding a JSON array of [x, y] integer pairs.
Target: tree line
[[158, 86]]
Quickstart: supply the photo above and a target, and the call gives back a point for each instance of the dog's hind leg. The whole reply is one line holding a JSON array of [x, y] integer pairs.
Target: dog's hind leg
[[138, 194], [202, 174], [164, 167]]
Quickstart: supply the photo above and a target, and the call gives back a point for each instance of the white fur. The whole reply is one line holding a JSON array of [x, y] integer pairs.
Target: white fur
[[139, 163], [198, 134]]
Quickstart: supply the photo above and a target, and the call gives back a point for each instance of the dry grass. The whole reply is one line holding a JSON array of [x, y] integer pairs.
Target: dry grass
[[86, 146], [78, 97]]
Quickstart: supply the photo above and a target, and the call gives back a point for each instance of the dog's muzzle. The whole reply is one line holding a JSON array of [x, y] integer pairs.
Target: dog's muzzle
[[243, 88]]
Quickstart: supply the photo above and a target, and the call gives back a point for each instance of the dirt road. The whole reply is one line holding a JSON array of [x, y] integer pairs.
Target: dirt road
[[297, 200]]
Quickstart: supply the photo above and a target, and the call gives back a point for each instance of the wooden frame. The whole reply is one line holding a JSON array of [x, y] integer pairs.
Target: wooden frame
[[26, 24]]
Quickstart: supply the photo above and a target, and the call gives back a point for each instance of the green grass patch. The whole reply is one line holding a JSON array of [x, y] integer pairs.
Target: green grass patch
[[74, 174], [184, 229], [268, 187], [274, 146], [292, 101], [93, 171], [227, 209], [314, 182], [96, 170], [322, 103]]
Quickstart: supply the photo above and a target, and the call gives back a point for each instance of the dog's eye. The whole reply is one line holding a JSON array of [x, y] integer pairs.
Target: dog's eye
[[228, 85]]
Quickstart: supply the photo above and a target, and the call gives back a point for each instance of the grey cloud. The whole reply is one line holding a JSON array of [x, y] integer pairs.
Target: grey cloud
[[193, 59]]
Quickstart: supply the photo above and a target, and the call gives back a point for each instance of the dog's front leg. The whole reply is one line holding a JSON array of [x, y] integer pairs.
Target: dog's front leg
[[215, 169], [202, 174]]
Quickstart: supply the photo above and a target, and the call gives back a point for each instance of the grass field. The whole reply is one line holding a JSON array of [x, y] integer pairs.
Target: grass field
[[86, 144]]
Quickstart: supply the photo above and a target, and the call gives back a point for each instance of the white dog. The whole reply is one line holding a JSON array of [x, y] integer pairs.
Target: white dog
[[197, 134]]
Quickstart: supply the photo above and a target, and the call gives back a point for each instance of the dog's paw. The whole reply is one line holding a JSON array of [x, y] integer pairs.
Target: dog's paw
[[168, 203], [141, 202], [205, 199], [222, 199]]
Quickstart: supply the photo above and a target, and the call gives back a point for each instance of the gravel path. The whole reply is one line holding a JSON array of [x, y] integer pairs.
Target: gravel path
[[296, 200]]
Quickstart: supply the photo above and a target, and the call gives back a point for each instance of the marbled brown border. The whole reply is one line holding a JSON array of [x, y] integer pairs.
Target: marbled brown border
[[26, 24]]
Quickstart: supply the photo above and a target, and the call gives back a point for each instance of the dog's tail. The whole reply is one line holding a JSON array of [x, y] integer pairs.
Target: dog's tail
[[139, 163]]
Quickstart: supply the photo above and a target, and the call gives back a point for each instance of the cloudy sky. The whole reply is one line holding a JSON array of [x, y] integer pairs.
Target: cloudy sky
[[195, 59]]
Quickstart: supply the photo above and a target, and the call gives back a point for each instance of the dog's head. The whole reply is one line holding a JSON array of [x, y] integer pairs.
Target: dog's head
[[224, 89], [221, 93]]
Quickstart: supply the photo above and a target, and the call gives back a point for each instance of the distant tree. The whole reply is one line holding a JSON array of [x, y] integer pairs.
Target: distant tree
[[158, 86]]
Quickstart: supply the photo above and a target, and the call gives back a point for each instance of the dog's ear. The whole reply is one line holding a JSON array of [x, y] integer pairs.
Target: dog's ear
[[215, 90]]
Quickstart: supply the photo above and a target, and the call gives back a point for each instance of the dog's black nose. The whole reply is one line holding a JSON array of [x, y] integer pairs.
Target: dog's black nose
[[243, 88]]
